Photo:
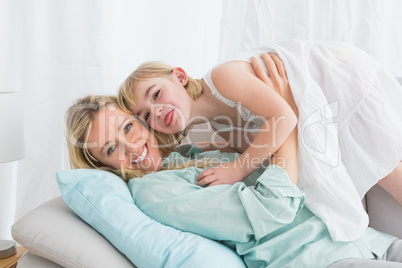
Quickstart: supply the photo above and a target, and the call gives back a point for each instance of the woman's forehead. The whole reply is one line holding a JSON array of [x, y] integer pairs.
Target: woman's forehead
[[113, 111], [111, 117], [107, 123]]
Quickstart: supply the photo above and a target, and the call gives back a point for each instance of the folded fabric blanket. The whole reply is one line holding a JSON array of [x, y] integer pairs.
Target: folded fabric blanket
[[266, 223]]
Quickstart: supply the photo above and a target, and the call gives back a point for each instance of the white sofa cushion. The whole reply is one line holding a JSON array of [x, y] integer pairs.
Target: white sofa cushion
[[53, 231]]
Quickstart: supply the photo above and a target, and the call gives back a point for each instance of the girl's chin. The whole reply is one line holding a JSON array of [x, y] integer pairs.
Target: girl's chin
[[167, 130], [175, 128]]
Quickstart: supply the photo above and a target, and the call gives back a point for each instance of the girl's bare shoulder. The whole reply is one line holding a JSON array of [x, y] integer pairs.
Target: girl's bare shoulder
[[231, 68], [232, 76]]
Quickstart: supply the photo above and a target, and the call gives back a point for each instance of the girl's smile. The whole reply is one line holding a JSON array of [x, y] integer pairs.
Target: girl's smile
[[169, 118], [163, 102]]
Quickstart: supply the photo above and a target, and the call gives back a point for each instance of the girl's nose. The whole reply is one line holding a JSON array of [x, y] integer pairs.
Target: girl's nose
[[158, 112]]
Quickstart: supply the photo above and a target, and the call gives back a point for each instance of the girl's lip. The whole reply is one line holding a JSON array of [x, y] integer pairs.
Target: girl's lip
[[139, 155], [169, 118]]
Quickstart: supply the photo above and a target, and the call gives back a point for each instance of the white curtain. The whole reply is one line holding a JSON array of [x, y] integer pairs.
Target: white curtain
[[71, 48], [372, 25], [66, 49]]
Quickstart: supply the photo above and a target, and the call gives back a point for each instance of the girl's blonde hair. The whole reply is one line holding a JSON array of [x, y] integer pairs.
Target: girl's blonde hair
[[79, 119], [148, 70]]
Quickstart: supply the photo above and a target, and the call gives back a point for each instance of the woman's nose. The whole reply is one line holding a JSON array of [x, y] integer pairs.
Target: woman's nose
[[133, 147], [132, 140]]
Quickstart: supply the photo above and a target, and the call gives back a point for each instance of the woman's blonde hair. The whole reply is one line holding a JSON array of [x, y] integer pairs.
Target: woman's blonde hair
[[148, 70], [79, 119]]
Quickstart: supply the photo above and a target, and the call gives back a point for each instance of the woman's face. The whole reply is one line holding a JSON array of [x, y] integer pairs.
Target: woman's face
[[117, 139], [163, 102]]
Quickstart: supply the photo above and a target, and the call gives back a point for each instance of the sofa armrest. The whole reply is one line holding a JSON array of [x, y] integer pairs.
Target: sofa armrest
[[53, 231], [384, 212], [29, 260]]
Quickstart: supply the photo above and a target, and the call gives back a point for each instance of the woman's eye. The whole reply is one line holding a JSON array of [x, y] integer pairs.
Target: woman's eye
[[156, 94], [128, 127], [146, 117], [111, 149]]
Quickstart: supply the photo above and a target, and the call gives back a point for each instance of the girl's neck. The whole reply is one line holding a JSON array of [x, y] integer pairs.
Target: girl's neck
[[203, 108]]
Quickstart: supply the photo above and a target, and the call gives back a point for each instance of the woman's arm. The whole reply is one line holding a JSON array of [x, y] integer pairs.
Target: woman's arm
[[287, 155], [237, 81]]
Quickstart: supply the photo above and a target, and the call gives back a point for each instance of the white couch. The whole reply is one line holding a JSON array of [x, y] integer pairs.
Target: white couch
[[56, 237]]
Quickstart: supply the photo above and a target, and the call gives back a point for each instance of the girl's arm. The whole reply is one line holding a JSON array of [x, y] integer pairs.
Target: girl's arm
[[223, 147], [237, 81], [287, 155]]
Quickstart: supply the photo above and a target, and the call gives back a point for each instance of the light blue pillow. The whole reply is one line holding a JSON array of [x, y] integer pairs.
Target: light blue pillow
[[103, 200]]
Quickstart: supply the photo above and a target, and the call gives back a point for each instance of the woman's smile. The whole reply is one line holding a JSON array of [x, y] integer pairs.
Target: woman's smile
[[133, 146], [141, 156]]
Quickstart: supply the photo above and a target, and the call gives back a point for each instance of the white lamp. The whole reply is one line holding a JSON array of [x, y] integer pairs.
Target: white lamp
[[11, 124], [11, 127], [11, 146]]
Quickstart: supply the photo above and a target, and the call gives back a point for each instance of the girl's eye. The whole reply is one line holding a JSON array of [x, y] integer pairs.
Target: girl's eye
[[156, 94], [146, 117], [111, 149], [128, 127]]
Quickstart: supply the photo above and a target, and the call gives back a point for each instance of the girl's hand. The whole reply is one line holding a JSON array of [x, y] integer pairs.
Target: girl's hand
[[224, 173], [277, 78]]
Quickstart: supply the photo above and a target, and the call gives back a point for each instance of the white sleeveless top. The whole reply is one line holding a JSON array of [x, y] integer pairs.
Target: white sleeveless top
[[254, 122]]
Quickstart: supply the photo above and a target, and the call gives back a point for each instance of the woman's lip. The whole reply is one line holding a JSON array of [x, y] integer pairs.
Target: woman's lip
[[169, 118], [145, 145], [147, 152]]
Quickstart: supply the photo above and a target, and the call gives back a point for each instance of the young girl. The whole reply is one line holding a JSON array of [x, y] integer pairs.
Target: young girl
[[273, 228], [344, 146]]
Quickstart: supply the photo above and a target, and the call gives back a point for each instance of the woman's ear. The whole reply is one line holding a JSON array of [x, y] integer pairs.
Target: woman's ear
[[181, 75]]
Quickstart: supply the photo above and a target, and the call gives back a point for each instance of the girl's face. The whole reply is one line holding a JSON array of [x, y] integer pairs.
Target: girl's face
[[117, 139], [163, 102]]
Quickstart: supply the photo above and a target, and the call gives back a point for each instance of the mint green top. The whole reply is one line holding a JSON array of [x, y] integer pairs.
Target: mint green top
[[266, 223]]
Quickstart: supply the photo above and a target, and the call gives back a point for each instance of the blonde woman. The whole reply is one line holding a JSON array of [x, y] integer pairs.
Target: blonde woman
[[91, 148]]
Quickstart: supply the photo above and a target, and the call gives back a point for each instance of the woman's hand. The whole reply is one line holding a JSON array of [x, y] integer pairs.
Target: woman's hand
[[277, 78]]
